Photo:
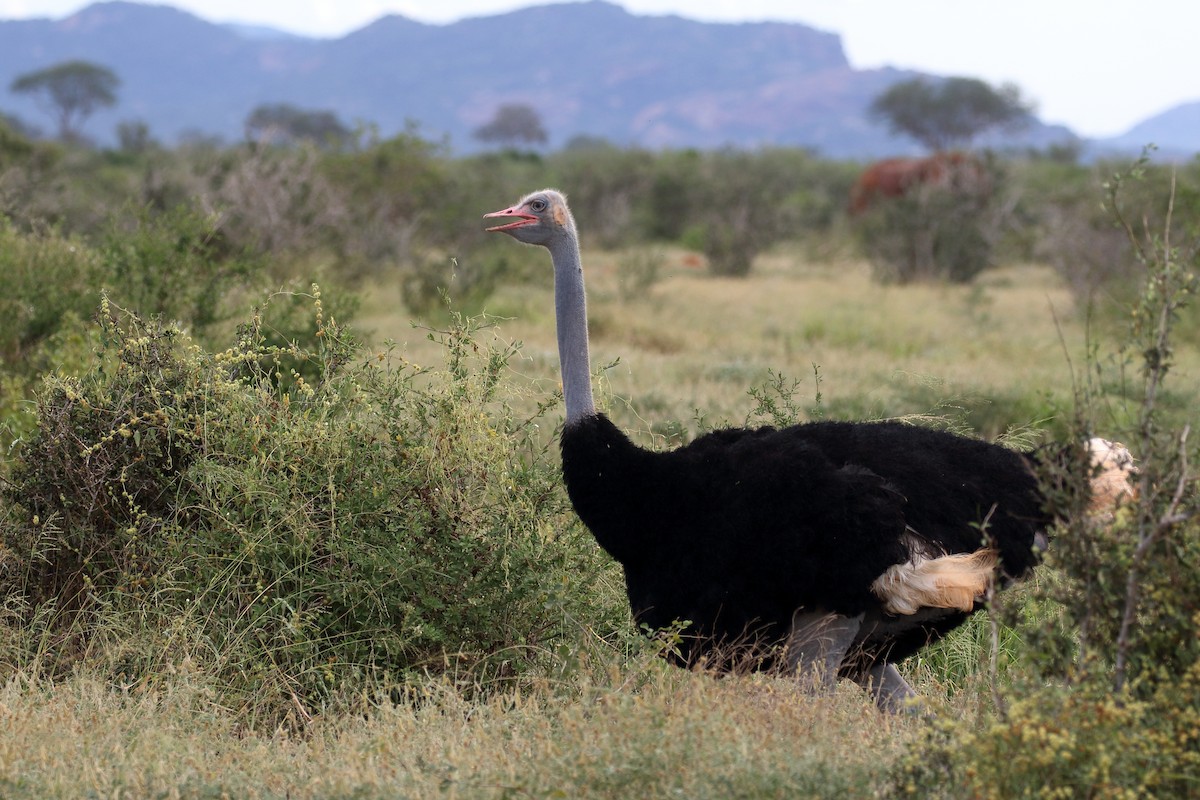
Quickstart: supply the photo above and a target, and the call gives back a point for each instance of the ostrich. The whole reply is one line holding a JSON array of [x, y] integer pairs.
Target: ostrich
[[826, 549]]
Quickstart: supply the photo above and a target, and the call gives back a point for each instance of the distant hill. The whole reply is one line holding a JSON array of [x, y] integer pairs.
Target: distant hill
[[261, 32], [588, 68], [1175, 131]]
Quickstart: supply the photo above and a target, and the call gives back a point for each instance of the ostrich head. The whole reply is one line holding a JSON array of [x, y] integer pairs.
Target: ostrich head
[[542, 218]]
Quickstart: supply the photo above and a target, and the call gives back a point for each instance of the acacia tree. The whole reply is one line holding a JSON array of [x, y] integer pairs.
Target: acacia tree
[[70, 92], [949, 113], [281, 123], [943, 223], [513, 124]]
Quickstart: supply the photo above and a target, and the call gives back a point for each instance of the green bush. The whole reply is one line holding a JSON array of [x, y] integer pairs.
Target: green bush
[[389, 191], [27, 167], [1067, 743], [1109, 702], [430, 285], [47, 277], [178, 264], [50, 284], [302, 542], [935, 232], [175, 264], [606, 186], [1057, 220]]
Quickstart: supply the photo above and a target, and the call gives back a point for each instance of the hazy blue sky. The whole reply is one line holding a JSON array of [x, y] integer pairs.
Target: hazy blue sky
[[1099, 66]]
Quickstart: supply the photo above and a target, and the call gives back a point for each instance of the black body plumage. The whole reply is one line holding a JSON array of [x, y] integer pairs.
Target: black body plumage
[[737, 530]]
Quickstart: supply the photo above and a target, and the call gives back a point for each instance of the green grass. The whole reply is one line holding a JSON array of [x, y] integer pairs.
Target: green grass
[[999, 353]]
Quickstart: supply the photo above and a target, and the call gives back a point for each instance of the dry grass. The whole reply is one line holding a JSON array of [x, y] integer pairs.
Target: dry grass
[[677, 735]]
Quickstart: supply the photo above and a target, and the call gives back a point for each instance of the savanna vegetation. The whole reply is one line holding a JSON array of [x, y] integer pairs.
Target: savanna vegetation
[[280, 505]]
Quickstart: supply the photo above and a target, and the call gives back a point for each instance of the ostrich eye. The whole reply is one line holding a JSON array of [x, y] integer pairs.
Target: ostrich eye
[[538, 205]]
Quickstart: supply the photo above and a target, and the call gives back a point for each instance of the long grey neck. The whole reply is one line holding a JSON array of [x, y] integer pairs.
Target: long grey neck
[[570, 308]]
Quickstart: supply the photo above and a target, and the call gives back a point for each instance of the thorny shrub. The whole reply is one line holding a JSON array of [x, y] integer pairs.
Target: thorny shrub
[[305, 542]]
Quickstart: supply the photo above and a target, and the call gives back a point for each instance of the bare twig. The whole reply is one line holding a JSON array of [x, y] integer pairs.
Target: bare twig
[[1159, 305], [1146, 541]]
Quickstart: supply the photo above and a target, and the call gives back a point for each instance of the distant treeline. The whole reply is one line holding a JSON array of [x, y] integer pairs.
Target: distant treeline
[[402, 206]]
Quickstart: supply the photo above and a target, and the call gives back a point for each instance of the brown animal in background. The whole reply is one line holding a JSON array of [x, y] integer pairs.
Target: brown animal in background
[[896, 177]]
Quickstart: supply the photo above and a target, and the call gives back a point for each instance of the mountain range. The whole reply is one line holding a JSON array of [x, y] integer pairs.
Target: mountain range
[[587, 68], [1176, 130]]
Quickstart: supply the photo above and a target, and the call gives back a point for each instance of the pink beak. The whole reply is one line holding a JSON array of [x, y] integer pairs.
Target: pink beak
[[525, 219]]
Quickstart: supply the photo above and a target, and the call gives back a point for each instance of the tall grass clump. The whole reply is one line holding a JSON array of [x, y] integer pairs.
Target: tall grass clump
[[1110, 705], [306, 525]]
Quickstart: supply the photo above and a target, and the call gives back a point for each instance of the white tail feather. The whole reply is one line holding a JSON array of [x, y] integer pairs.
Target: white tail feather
[[953, 581]]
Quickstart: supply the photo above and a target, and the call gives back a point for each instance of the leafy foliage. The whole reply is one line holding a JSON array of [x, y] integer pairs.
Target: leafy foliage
[[399, 186], [309, 540], [732, 205], [178, 265], [48, 277], [1057, 743]]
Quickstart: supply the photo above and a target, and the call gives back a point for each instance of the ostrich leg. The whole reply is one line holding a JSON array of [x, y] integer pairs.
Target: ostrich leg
[[887, 686], [817, 645]]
